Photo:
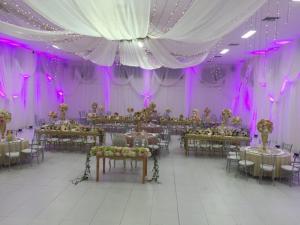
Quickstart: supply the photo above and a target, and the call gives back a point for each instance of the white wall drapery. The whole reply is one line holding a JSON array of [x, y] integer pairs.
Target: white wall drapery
[[276, 91]]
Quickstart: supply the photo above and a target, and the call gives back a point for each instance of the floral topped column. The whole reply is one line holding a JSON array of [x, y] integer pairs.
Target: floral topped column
[[226, 115], [5, 117], [265, 127], [94, 107], [63, 108]]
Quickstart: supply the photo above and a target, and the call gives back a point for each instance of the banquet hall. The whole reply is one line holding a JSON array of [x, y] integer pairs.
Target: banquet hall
[[149, 112]]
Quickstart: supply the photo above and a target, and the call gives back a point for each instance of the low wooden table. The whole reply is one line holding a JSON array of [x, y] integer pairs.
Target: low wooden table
[[144, 159]]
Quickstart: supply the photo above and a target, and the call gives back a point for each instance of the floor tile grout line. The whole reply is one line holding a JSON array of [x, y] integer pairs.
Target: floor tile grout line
[[124, 209], [100, 206], [174, 179]]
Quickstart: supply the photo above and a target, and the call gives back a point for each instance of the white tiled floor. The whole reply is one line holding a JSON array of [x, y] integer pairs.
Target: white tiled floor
[[194, 191]]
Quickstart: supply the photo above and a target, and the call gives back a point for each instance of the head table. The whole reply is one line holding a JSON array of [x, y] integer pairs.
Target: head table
[[254, 154]]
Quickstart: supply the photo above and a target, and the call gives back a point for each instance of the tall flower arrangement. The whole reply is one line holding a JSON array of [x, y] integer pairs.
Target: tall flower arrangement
[[5, 117], [226, 115], [94, 107], [265, 127], [63, 108]]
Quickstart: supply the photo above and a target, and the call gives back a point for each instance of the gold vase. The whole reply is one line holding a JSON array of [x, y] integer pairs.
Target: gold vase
[[264, 139], [3, 129], [62, 115]]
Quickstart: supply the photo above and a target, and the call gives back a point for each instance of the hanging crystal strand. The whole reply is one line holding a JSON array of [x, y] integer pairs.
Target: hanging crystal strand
[[288, 14], [277, 21]]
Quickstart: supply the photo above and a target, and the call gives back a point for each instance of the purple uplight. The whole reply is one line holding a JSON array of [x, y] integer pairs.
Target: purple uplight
[[271, 98], [2, 94], [26, 76], [60, 93], [259, 52], [285, 82], [15, 96], [49, 78], [282, 42]]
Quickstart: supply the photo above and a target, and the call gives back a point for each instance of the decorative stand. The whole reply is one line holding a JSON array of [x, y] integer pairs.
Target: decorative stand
[[155, 169]]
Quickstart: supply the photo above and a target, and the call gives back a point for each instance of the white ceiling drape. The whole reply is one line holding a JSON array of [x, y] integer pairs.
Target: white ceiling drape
[[145, 33]]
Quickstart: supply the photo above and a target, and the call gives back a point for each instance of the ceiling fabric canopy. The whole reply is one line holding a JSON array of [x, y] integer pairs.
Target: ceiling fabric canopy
[[144, 33]]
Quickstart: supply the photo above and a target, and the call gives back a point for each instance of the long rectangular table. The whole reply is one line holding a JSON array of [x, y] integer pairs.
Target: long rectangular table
[[97, 135]]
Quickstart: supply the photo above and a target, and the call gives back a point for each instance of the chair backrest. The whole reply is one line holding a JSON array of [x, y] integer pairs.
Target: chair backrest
[[287, 147], [140, 142], [296, 161], [268, 159], [119, 140]]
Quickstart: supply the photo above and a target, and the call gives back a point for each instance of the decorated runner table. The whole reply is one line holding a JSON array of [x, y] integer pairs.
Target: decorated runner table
[[120, 153], [98, 135], [151, 138], [234, 140], [254, 154]]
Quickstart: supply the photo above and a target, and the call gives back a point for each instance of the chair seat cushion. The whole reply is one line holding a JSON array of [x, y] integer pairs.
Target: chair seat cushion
[[28, 151], [52, 139], [290, 168], [233, 157], [267, 167], [246, 163], [13, 154], [155, 147], [217, 146]]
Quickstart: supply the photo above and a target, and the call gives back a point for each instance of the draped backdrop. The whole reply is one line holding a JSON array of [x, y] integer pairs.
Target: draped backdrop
[[146, 33], [32, 84]]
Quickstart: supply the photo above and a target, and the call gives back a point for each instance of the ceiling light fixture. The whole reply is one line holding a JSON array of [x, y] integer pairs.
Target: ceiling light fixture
[[224, 51], [140, 43], [248, 34], [55, 46]]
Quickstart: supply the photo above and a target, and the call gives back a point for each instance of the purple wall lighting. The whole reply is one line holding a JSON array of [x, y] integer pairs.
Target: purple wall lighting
[[49, 77], [282, 42], [26, 76], [271, 98]]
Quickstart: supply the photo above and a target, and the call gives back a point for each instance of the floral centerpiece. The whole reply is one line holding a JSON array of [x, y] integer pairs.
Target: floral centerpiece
[[52, 115], [101, 110], [94, 107], [5, 117], [265, 127], [226, 115], [236, 121], [195, 116], [63, 108]]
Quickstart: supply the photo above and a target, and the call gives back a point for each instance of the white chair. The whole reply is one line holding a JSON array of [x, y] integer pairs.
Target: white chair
[[267, 165], [245, 164], [34, 151], [232, 157], [13, 154], [291, 170]]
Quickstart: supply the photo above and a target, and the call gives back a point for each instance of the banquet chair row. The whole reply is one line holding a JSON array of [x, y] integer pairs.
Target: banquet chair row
[[67, 143], [267, 165], [16, 153]]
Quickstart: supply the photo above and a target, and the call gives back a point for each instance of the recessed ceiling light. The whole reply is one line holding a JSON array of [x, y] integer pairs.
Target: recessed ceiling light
[[248, 34], [140, 43], [55, 46], [296, 0], [224, 51]]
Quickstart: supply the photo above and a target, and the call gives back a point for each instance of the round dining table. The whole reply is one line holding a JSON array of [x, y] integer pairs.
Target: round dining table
[[254, 154]]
